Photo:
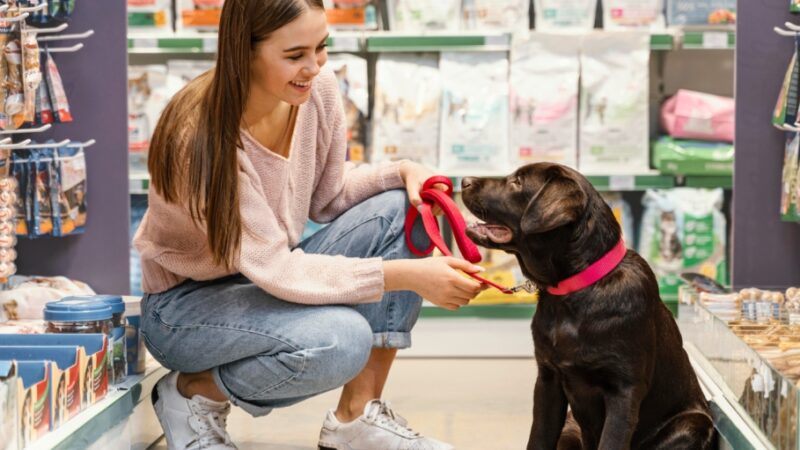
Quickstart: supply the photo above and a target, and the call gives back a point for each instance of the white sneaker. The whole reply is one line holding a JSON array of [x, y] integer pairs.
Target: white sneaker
[[379, 428], [190, 424]]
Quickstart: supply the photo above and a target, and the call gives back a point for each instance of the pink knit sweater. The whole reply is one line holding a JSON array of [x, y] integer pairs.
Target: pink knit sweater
[[277, 197]]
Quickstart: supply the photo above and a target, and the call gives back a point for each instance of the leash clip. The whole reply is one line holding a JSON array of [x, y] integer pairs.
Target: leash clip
[[528, 286]]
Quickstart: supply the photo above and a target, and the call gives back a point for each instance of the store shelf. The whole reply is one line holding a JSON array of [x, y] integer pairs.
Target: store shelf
[[662, 41], [394, 42], [721, 181], [631, 182], [207, 43], [716, 39], [138, 183], [515, 311]]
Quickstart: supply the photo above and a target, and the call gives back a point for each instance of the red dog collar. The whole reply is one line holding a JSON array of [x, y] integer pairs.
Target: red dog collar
[[593, 273]]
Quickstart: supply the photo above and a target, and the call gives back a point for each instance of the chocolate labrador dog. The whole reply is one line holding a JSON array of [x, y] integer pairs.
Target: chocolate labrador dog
[[612, 351]]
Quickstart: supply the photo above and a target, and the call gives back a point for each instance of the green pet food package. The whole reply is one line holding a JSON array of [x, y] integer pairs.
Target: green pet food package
[[683, 230], [785, 112]]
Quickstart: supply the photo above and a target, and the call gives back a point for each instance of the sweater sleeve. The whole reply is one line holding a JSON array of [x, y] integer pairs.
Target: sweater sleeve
[[342, 184], [292, 275]]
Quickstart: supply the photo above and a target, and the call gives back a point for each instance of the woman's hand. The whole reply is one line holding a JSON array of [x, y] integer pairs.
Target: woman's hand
[[436, 279], [414, 176]]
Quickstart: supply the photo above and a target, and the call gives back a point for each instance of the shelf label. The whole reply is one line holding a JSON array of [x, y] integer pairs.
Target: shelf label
[[345, 44], [145, 43], [715, 39], [621, 182], [495, 40], [210, 44]]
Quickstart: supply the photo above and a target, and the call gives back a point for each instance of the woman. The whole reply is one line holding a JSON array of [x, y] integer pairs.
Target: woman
[[238, 307]]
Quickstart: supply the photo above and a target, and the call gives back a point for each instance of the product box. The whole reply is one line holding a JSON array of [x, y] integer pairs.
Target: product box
[[93, 368], [353, 14], [700, 12], [10, 388], [35, 401], [69, 360], [198, 15]]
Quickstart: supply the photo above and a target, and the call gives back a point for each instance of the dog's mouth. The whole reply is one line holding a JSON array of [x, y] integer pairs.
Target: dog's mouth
[[499, 234]]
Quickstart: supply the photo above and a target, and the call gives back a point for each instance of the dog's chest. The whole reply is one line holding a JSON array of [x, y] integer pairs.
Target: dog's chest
[[557, 339]]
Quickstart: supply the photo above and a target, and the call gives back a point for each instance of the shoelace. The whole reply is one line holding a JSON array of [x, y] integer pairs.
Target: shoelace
[[379, 415], [210, 425], [387, 409]]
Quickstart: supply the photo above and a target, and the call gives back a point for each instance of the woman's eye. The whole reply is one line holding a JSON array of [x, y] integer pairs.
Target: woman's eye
[[321, 47], [296, 57]]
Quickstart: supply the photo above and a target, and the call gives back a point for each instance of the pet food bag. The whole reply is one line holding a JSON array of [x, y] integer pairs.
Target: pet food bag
[[498, 15], [614, 117], [20, 170], [149, 15], [352, 14], [683, 230], [696, 115], [44, 181], [424, 15], [181, 71], [785, 112], [700, 12], [148, 95], [565, 14], [198, 15], [624, 215], [474, 111], [633, 14], [406, 113], [545, 71], [71, 191], [351, 73]]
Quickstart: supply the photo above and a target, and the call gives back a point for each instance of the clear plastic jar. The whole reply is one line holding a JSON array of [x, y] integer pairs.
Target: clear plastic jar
[[77, 316]]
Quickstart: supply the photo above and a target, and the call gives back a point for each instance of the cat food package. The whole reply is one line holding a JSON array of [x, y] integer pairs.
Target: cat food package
[[149, 15], [614, 112], [474, 126], [352, 14], [683, 230], [198, 15], [351, 72], [624, 215], [71, 185], [633, 14], [700, 12], [148, 95], [405, 122], [545, 71], [424, 15], [785, 112], [565, 14], [497, 15]]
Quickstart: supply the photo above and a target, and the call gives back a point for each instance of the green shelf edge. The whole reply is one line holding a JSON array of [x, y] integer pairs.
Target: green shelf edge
[[427, 43], [721, 181], [694, 39], [662, 42], [641, 182]]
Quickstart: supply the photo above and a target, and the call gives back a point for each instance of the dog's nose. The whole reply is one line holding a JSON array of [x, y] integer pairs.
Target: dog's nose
[[467, 182]]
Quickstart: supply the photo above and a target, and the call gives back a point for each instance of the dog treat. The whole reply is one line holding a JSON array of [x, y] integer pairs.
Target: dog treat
[[15, 102], [31, 74], [55, 88]]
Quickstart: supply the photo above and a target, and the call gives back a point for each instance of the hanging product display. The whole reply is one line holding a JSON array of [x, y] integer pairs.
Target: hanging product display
[[55, 88], [351, 73], [424, 15], [406, 111], [683, 230], [352, 14], [474, 130], [701, 12], [614, 117], [500, 15], [150, 15], [55, 13], [785, 112], [545, 71], [8, 213], [633, 14], [198, 15], [794, 6], [31, 75], [565, 14]]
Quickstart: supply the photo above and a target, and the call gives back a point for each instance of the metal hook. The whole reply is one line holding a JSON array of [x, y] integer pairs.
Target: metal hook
[[27, 130], [783, 32], [88, 143], [21, 144], [18, 18], [64, 37], [72, 49], [47, 145], [39, 31]]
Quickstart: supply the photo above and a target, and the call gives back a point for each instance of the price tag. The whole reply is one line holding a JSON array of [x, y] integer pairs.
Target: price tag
[[499, 40], [715, 39], [145, 43], [210, 44], [345, 43], [622, 182]]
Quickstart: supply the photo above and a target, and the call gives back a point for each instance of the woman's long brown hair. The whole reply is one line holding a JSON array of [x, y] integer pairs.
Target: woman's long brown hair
[[192, 158]]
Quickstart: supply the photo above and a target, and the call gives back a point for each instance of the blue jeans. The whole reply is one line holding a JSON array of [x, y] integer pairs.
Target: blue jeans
[[267, 353]]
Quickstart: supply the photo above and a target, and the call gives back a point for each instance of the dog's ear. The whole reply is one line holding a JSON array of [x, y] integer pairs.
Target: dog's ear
[[560, 201]]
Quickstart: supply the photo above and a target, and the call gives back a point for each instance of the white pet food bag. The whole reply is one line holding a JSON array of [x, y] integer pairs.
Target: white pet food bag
[[565, 14], [633, 14], [545, 71], [614, 114], [424, 15], [406, 112], [683, 230], [474, 112], [351, 73], [496, 15], [148, 95]]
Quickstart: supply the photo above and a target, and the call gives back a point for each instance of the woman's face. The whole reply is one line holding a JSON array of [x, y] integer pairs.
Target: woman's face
[[285, 64]]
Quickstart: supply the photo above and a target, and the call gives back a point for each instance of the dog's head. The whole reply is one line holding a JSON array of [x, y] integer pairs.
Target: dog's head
[[546, 214]]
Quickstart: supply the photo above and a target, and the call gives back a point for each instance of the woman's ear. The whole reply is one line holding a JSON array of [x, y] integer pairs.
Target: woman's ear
[[561, 201]]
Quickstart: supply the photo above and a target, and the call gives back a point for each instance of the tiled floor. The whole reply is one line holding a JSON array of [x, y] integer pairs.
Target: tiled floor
[[467, 382]]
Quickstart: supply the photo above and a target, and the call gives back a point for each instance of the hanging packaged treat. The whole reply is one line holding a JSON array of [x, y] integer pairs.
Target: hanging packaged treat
[[5, 36], [701, 12], [55, 89], [499, 15], [20, 173], [71, 185], [44, 112], [353, 14], [633, 14], [474, 126], [149, 15], [405, 119], [198, 15], [614, 118], [31, 73], [14, 100], [424, 15], [544, 99], [789, 176], [45, 182], [60, 10], [785, 112], [565, 14], [351, 72]]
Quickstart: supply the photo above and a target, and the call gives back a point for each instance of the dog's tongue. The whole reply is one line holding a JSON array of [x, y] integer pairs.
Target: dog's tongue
[[496, 233]]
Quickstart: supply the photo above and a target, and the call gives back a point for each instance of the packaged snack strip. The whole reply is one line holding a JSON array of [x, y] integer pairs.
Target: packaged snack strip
[[198, 15], [55, 88], [5, 35], [45, 168], [19, 170], [424, 15], [6, 180], [149, 15], [785, 112], [44, 111], [499, 15], [31, 73], [565, 14], [633, 14], [15, 101], [71, 167]]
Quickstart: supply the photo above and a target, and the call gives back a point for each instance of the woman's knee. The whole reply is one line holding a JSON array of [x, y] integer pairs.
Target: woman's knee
[[345, 349]]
